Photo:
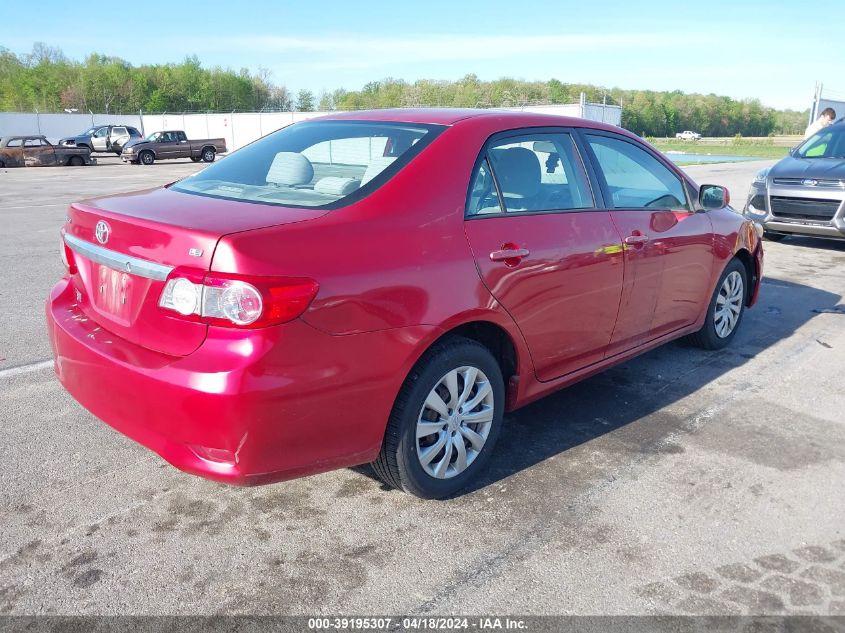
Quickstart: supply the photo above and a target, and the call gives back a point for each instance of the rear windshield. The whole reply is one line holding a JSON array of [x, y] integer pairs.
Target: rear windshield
[[325, 164], [829, 142]]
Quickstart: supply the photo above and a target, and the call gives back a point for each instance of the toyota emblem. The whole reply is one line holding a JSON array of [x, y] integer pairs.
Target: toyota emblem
[[102, 232]]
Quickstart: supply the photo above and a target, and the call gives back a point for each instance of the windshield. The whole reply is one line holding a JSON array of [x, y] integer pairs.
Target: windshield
[[89, 131], [323, 164], [828, 142]]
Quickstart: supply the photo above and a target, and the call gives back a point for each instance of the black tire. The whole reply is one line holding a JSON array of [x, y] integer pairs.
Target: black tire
[[195, 159], [773, 237], [75, 161], [208, 154], [146, 157], [2, 164], [398, 464], [707, 337]]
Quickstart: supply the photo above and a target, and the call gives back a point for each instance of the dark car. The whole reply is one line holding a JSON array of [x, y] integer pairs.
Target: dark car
[[172, 144], [382, 286], [37, 151], [803, 194], [104, 138]]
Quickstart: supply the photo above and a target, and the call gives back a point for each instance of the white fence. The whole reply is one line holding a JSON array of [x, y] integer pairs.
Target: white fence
[[56, 126], [238, 128]]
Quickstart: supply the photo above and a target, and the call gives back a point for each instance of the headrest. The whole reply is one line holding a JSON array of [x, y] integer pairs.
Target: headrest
[[336, 186], [518, 171], [290, 168]]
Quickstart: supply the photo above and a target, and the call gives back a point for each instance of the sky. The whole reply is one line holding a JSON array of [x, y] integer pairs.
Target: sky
[[774, 51]]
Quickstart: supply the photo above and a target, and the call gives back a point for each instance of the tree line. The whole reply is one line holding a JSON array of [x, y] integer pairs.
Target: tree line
[[47, 81]]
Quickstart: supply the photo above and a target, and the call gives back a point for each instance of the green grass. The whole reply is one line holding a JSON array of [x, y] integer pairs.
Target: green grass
[[758, 149]]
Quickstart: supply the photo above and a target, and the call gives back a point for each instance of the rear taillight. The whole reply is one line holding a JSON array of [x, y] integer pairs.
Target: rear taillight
[[67, 258], [236, 300]]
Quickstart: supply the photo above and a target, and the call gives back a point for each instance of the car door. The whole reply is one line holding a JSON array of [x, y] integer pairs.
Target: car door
[[543, 248], [100, 139], [118, 137], [13, 153], [668, 245], [37, 153], [183, 147], [167, 146]]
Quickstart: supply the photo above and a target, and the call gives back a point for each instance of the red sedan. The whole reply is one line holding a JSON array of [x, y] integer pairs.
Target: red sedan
[[382, 286]]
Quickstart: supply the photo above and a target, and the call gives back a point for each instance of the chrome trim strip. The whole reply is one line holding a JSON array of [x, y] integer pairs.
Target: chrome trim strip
[[118, 261]]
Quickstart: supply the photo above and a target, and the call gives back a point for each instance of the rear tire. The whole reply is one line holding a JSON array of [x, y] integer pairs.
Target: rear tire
[[773, 237], [455, 398], [146, 158], [725, 310], [208, 155]]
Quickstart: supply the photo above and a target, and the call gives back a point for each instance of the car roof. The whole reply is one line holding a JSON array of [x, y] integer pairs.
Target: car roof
[[451, 116], [23, 136]]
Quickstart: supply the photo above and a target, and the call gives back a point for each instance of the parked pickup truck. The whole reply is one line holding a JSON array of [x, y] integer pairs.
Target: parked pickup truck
[[172, 144], [688, 135]]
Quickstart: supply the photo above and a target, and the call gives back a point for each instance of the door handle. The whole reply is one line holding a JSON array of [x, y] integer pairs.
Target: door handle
[[506, 254], [636, 240]]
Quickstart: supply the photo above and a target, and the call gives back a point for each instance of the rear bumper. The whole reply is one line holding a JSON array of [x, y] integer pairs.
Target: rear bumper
[[248, 407]]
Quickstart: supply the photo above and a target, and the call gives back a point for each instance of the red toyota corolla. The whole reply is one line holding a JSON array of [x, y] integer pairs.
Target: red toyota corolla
[[382, 286]]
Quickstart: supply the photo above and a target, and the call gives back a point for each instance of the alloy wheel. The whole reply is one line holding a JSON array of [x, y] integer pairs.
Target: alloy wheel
[[454, 422]]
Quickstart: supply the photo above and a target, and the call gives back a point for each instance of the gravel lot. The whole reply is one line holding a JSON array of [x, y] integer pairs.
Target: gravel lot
[[681, 482]]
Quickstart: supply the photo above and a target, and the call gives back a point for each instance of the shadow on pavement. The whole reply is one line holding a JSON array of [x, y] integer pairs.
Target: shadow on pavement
[[630, 392]]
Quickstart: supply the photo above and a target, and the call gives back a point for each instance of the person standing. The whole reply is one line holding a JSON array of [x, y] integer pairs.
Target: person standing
[[825, 118]]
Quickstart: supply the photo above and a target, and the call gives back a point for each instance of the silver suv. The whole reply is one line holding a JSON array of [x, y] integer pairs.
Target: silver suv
[[803, 194]]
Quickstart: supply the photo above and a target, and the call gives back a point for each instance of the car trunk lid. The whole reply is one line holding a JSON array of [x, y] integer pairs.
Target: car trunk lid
[[143, 237]]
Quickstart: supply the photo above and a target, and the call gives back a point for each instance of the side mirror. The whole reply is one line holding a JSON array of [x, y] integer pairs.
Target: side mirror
[[714, 196]]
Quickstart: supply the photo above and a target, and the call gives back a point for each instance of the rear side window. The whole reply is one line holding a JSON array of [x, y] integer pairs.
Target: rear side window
[[531, 173], [636, 179], [118, 131], [323, 164]]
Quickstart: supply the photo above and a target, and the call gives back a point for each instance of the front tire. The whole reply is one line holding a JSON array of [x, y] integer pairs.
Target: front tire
[[146, 158], [724, 313], [445, 421], [195, 159], [76, 161]]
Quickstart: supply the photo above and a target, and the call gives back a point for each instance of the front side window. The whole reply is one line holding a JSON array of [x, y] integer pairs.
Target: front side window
[[32, 142], [103, 132], [636, 179], [826, 143], [323, 164], [532, 173]]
